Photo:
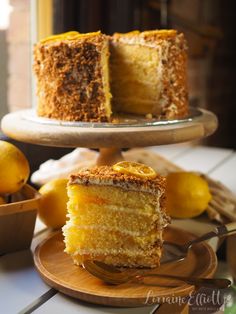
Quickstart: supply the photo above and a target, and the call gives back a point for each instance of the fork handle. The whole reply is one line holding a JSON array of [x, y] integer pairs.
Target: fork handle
[[219, 231], [220, 283], [228, 228]]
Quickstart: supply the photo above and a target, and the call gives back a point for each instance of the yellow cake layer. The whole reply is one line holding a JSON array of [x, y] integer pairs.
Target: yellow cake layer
[[87, 238], [141, 106], [133, 260], [134, 71], [140, 89], [144, 203], [113, 217]]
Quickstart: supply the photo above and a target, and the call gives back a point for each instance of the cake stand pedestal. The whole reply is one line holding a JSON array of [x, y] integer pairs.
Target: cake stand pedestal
[[109, 138]]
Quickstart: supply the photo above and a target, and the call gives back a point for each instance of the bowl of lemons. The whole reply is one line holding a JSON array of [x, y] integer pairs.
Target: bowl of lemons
[[18, 200]]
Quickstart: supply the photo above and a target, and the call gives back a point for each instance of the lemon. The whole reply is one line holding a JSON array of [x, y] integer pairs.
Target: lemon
[[53, 203], [2, 200], [14, 168], [135, 168], [187, 195], [68, 35]]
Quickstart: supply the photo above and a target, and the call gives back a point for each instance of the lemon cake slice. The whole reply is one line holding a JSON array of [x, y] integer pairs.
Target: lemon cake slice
[[116, 215], [73, 77], [148, 73]]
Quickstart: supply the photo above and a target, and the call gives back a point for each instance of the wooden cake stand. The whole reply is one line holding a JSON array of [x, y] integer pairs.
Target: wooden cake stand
[[125, 132]]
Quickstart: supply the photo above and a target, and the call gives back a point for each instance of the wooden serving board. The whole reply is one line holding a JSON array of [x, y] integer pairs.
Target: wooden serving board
[[57, 269]]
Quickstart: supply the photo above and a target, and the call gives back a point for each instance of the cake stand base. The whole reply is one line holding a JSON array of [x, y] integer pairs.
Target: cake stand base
[[109, 156]]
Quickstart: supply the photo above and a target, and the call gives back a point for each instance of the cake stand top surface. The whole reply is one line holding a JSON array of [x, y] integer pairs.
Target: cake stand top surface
[[126, 131]]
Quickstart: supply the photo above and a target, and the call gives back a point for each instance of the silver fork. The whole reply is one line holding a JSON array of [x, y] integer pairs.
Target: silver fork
[[174, 252]]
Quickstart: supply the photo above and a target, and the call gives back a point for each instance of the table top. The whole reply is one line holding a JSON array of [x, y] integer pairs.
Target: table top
[[23, 291]]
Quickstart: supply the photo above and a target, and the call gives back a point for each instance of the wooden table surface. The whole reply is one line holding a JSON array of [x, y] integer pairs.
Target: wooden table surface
[[23, 291]]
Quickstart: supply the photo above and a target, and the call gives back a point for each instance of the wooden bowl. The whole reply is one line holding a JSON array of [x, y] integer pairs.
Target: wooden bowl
[[17, 220]]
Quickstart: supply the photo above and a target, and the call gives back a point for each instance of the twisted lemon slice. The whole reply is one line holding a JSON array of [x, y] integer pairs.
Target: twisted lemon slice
[[135, 168], [67, 36]]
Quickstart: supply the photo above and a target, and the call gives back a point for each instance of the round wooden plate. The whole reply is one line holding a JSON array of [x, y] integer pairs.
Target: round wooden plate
[[57, 269], [132, 131]]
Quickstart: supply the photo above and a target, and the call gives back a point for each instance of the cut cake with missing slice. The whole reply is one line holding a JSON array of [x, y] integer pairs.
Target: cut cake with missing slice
[[146, 74], [115, 217]]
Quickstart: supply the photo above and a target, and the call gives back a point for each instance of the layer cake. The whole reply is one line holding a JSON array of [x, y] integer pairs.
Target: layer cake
[[145, 75], [114, 217]]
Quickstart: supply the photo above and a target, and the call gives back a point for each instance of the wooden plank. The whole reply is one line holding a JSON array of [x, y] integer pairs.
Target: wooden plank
[[20, 284], [171, 151], [61, 304], [173, 308], [226, 173], [202, 159]]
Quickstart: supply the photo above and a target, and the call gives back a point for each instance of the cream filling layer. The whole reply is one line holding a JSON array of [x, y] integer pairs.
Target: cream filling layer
[[107, 229], [155, 251], [121, 184]]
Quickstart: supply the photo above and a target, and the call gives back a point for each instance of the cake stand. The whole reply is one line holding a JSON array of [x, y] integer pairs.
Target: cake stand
[[125, 132]]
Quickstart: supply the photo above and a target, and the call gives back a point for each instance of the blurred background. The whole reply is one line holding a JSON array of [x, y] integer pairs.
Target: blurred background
[[207, 25]]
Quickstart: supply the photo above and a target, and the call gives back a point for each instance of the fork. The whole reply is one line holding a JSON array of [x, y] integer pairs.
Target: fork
[[115, 276], [174, 252]]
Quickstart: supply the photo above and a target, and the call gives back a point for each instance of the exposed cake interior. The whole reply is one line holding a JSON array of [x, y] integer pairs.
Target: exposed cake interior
[[148, 73], [115, 218]]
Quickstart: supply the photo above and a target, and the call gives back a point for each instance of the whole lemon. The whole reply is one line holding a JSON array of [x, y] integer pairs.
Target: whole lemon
[[14, 168], [187, 194], [53, 203]]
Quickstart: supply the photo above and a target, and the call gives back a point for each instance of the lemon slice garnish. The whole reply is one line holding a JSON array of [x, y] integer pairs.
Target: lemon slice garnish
[[68, 35], [135, 168]]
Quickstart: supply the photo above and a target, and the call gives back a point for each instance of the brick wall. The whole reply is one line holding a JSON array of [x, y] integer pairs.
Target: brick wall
[[19, 71]]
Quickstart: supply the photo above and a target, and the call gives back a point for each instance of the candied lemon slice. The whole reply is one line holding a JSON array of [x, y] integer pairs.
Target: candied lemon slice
[[135, 168], [68, 35]]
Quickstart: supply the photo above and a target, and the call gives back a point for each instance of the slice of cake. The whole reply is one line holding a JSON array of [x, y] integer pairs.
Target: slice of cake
[[116, 215], [148, 73], [73, 77]]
